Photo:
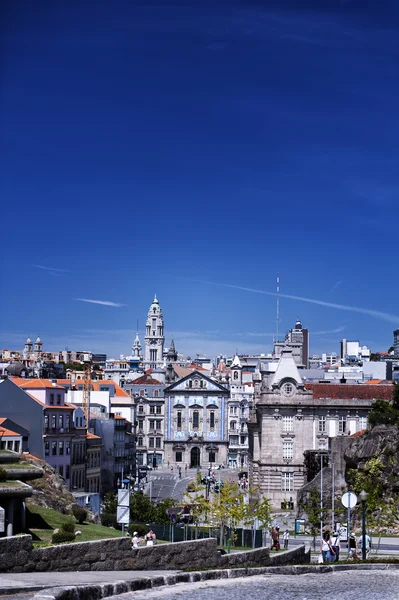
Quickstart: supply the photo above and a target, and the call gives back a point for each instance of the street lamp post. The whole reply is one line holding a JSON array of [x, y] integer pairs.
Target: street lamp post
[[363, 497]]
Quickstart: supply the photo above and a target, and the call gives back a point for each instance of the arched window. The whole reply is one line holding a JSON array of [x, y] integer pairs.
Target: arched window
[[235, 374], [156, 393]]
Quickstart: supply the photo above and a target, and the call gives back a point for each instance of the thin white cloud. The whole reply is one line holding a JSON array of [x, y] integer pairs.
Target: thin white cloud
[[337, 330], [102, 302], [364, 311], [336, 285], [50, 269]]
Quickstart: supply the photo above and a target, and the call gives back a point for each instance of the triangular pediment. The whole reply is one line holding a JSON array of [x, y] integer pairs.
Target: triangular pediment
[[196, 382]]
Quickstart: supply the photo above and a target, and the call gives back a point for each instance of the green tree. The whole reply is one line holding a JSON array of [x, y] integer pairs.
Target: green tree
[[224, 506], [313, 513], [141, 508], [384, 412]]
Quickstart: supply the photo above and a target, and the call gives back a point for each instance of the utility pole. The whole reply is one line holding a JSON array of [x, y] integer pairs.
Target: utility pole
[[321, 496]]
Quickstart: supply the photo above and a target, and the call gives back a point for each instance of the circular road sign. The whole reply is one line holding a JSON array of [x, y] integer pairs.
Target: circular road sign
[[349, 500]]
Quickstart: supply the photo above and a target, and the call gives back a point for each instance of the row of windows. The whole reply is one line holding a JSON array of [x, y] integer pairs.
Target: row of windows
[[144, 392], [288, 424], [67, 471], [233, 426], [78, 479], [14, 445], [57, 423], [233, 439], [58, 399], [63, 447], [154, 410], [154, 442], [195, 419], [93, 485], [94, 459], [234, 411]]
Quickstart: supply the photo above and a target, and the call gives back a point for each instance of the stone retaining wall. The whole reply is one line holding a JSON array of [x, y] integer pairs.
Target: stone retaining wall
[[116, 554]]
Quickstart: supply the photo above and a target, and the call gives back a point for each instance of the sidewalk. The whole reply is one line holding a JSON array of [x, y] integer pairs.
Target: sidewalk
[[32, 582]]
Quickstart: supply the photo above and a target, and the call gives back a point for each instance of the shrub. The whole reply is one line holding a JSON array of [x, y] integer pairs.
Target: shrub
[[108, 520], [139, 527], [3, 475], [62, 536], [68, 527], [79, 513]]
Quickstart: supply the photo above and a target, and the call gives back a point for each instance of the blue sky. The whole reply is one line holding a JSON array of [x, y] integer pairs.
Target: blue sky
[[160, 147]]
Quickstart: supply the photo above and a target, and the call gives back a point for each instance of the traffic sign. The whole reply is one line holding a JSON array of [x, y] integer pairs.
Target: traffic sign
[[123, 497], [349, 500], [122, 515], [173, 517]]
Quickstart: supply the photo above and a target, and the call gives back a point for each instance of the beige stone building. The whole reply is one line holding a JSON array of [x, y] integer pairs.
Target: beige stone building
[[288, 419]]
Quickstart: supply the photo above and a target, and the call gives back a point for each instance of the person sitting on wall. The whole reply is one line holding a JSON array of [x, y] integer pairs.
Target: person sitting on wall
[[150, 538]]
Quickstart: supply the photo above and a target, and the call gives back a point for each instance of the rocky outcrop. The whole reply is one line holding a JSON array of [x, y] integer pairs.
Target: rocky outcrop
[[382, 444], [50, 491]]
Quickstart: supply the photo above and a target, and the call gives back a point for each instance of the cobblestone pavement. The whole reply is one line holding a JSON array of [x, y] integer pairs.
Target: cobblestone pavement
[[364, 585]]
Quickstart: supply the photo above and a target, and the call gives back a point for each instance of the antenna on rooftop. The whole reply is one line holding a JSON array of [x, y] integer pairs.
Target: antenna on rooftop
[[277, 304]]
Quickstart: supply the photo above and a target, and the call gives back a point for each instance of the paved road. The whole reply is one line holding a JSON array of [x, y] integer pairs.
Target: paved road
[[364, 585]]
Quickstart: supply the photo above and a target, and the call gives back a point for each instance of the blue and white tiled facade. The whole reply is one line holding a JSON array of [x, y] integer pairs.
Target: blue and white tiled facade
[[196, 422]]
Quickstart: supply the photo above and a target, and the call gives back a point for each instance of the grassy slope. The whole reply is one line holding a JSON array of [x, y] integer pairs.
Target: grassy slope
[[42, 522]]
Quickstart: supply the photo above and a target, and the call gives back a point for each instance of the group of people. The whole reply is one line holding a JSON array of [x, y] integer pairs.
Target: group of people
[[149, 539], [331, 546]]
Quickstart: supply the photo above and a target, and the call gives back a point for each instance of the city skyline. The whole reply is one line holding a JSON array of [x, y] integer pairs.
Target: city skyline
[[195, 152], [190, 342]]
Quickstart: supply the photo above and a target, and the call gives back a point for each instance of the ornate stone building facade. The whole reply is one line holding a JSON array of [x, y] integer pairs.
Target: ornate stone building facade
[[239, 405], [154, 337], [196, 422], [287, 420]]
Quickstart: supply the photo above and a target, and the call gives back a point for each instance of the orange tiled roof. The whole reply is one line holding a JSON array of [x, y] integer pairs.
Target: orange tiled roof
[[146, 380], [8, 433], [91, 436], [35, 384], [376, 382], [349, 391], [358, 433]]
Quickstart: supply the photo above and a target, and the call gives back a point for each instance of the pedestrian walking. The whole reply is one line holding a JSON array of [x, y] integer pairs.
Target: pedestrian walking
[[353, 547], [326, 548], [275, 534], [368, 545], [286, 537], [336, 544]]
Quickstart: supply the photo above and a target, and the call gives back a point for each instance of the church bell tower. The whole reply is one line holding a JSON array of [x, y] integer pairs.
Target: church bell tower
[[154, 337]]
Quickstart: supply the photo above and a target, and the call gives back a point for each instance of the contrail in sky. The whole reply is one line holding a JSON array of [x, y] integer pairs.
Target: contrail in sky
[[363, 311], [102, 302]]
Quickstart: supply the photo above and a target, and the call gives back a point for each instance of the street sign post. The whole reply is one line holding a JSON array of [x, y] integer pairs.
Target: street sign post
[[123, 508], [349, 500]]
